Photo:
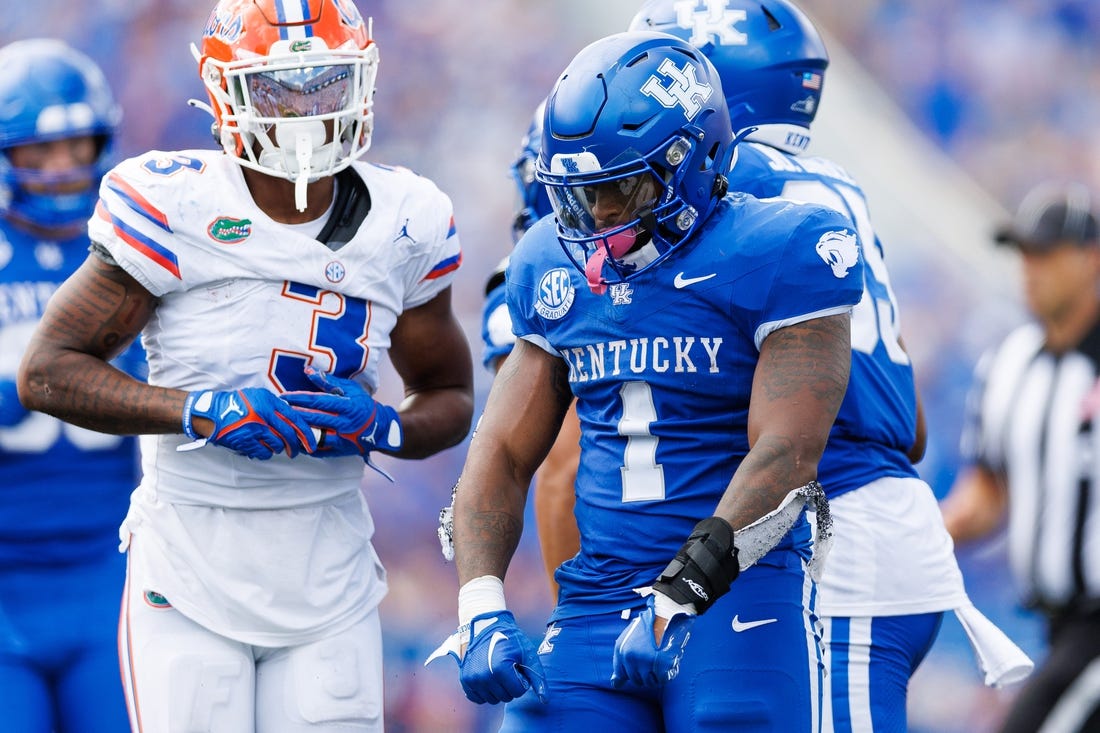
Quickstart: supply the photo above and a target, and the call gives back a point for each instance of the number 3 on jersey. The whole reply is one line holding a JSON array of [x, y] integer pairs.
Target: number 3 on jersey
[[338, 338]]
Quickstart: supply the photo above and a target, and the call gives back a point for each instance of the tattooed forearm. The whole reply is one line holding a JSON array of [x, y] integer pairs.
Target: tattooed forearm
[[771, 469], [485, 542], [799, 384]]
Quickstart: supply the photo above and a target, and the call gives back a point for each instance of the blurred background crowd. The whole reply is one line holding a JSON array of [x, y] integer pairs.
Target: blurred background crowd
[[946, 110]]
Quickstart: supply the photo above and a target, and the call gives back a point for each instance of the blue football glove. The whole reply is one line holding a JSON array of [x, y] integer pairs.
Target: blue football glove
[[500, 663], [352, 423], [12, 411], [253, 422], [637, 658]]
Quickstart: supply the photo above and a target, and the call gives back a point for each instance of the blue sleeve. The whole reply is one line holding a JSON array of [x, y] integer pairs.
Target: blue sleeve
[[496, 327], [819, 271]]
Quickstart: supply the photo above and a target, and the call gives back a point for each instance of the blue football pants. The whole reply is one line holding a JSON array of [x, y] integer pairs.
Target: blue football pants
[[59, 666], [752, 665], [869, 662]]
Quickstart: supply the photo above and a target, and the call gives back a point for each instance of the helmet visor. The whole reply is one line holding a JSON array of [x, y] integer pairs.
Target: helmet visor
[[301, 92], [585, 210]]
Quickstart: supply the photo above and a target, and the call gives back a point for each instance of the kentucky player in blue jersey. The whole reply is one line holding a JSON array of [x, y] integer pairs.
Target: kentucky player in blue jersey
[[705, 338], [891, 571], [553, 487], [65, 488]]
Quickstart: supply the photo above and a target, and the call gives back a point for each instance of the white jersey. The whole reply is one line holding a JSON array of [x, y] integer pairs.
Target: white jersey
[[248, 302]]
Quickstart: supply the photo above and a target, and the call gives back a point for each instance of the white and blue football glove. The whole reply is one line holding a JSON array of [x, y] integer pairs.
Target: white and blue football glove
[[500, 663], [252, 422], [639, 660], [350, 421]]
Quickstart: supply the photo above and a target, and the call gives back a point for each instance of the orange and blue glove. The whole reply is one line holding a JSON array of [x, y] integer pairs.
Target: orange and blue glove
[[252, 422], [350, 420]]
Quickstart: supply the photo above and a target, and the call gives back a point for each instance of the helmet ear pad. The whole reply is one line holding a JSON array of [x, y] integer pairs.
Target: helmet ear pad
[[634, 105]]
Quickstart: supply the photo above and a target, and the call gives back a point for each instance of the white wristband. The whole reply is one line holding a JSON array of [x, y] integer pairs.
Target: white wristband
[[665, 607], [480, 595]]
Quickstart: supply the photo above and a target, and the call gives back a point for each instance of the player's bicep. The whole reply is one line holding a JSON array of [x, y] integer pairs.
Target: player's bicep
[[525, 408], [800, 381], [429, 349], [98, 310]]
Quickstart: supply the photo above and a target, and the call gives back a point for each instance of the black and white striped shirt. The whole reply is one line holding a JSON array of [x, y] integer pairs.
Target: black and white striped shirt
[[1034, 418]]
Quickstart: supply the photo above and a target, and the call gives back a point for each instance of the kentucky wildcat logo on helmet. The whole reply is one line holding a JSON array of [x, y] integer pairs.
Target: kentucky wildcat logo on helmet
[[638, 120], [292, 85], [768, 47]]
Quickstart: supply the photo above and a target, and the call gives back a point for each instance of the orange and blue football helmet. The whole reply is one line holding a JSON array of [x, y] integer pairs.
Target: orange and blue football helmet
[[291, 83]]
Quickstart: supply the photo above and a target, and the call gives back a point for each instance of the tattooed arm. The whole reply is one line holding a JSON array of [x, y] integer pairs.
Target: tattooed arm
[[799, 383], [521, 420], [65, 372]]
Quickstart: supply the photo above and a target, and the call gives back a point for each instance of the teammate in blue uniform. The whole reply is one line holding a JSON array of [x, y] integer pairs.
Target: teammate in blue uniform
[[705, 338], [891, 571], [65, 488]]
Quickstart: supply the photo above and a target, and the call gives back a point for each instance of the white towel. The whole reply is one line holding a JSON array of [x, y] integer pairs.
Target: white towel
[[1000, 660]]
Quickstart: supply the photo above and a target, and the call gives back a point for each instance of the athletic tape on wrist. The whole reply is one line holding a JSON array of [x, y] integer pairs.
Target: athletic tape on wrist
[[484, 594]]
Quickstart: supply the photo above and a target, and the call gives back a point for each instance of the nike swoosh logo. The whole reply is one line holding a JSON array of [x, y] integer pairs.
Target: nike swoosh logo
[[740, 626], [682, 282], [495, 639]]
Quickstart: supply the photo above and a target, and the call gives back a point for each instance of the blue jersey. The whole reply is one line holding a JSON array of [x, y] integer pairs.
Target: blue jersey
[[496, 326], [876, 424], [662, 368], [65, 489]]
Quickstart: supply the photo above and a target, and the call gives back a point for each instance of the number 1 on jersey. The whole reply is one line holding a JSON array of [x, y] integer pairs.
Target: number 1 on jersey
[[643, 478]]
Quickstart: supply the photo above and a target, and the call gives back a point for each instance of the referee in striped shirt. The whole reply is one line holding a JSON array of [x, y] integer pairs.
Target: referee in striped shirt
[[1032, 442]]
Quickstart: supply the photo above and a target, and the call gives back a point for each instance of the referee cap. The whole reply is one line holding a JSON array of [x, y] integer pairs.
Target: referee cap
[[1050, 215]]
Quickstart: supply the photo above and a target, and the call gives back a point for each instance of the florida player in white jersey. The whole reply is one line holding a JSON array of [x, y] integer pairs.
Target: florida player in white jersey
[[705, 338], [64, 487], [267, 281], [891, 572]]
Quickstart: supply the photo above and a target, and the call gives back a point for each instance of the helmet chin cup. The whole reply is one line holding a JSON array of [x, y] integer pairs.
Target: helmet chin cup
[[298, 140]]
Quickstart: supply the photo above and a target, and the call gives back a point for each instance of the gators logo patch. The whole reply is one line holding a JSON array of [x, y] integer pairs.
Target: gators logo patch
[[227, 230]]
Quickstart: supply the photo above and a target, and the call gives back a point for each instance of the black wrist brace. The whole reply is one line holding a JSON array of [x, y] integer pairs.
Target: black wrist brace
[[703, 568]]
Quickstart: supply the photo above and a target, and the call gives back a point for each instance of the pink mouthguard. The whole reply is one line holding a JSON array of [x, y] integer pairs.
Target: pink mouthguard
[[618, 244]]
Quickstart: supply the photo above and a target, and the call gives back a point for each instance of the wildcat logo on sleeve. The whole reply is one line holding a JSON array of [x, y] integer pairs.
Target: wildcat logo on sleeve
[[555, 294], [840, 251]]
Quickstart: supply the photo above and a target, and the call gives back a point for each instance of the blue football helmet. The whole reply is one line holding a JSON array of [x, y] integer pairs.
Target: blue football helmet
[[769, 55], [533, 201], [635, 143], [49, 91]]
